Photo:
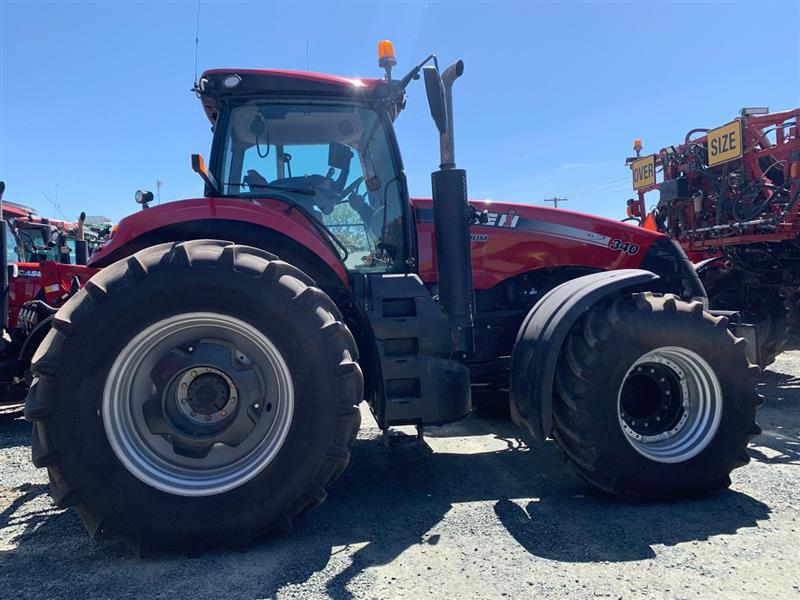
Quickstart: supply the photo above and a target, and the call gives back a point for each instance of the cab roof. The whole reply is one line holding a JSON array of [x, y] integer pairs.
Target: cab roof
[[248, 82]]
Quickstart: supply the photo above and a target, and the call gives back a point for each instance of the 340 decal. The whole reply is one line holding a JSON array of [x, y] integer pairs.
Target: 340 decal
[[620, 246]]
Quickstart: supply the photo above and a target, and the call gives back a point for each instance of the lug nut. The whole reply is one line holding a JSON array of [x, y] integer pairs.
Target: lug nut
[[223, 413], [184, 386], [194, 373]]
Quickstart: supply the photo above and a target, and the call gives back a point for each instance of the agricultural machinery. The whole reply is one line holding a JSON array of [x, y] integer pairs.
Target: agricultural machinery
[[203, 387], [43, 265], [729, 196]]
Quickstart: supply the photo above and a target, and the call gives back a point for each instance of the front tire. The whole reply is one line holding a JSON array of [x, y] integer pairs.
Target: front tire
[[195, 394], [654, 399]]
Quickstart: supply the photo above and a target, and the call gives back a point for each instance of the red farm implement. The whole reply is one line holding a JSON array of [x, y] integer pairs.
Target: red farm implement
[[729, 196]]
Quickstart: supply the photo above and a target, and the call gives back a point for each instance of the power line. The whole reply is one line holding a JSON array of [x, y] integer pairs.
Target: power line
[[56, 206], [555, 200]]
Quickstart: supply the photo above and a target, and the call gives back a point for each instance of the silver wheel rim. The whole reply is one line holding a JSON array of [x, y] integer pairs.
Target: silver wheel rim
[[689, 409], [161, 440]]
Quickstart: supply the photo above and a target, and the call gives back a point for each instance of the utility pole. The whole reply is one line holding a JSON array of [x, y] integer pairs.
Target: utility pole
[[555, 200]]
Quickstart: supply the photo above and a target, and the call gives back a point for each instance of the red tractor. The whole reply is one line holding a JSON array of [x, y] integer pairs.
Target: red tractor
[[729, 196], [203, 387], [43, 265]]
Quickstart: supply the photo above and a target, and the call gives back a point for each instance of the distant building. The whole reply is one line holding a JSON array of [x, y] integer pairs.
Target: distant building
[[97, 220]]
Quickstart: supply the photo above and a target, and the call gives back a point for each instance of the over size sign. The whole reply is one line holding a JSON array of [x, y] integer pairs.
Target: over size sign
[[724, 143], [644, 172]]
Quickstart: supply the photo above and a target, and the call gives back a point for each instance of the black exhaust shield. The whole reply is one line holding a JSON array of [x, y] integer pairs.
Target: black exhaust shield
[[454, 255]]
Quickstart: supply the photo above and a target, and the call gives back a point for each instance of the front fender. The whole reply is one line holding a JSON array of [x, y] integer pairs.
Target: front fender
[[538, 344]]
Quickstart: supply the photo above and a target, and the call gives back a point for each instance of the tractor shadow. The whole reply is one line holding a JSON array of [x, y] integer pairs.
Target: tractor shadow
[[14, 432], [779, 419], [387, 502]]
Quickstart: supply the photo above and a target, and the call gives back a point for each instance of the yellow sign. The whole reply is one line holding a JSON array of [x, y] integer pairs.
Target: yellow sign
[[644, 172], [724, 143]]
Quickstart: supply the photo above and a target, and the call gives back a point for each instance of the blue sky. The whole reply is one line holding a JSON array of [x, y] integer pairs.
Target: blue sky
[[95, 101]]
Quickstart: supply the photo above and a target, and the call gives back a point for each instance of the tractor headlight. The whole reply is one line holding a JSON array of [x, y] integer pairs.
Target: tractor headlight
[[231, 81]]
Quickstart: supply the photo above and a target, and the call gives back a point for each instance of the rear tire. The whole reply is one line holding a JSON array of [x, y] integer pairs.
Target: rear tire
[[199, 467], [654, 399]]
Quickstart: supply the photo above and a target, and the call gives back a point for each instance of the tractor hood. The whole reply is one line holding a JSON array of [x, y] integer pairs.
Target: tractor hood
[[513, 239]]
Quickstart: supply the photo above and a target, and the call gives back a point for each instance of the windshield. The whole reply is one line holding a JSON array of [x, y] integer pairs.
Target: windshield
[[333, 161], [33, 246]]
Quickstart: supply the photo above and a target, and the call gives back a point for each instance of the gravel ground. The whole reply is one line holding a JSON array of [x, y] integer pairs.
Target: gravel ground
[[472, 512]]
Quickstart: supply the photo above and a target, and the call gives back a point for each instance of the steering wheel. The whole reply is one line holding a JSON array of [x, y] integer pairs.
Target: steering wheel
[[353, 187]]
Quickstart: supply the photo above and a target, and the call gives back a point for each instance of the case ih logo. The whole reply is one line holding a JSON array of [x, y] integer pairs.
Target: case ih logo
[[509, 219]]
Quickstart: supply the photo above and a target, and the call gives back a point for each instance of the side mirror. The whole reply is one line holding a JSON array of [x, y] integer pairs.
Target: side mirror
[[54, 237], [199, 167], [435, 91]]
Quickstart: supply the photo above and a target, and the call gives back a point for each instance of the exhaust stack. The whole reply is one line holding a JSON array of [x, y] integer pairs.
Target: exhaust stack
[[451, 214], [81, 245]]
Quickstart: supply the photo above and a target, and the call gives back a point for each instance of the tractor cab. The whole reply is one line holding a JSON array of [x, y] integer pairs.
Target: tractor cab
[[322, 144]]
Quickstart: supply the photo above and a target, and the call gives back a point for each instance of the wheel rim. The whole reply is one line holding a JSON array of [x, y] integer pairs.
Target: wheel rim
[[670, 404], [198, 404]]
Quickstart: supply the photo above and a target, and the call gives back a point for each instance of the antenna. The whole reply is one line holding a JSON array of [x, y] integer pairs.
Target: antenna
[[307, 63], [159, 183], [196, 42]]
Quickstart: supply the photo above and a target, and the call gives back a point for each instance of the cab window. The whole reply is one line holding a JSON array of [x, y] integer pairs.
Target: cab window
[[334, 162]]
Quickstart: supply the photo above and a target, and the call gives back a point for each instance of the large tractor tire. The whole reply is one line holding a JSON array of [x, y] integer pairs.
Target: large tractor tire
[[655, 399], [195, 394]]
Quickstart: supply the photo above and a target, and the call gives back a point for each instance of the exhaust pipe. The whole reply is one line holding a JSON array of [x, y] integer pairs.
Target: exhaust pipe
[[451, 217], [81, 245]]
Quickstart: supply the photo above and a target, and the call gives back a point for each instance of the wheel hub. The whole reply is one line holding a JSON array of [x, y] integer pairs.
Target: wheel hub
[[206, 395], [198, 403], [669, 404], [652, 400]]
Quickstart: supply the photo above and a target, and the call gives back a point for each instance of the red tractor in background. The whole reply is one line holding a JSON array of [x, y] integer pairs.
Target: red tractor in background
[[729, 196], [203, 387], [44, 263]]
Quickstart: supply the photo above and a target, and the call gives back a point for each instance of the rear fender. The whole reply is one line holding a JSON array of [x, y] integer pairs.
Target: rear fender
[[539, 341], [247, 223], [709, 263]]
